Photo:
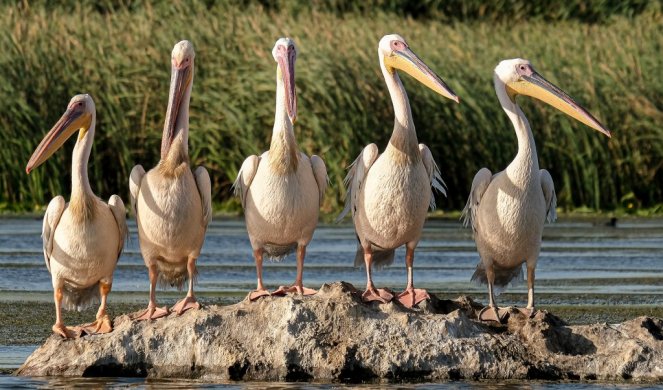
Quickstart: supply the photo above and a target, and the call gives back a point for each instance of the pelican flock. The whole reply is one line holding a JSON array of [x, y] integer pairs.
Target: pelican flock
[[281, 192], [507, 210], [282, 189], [389, 194], [83, 239], [173, 206]]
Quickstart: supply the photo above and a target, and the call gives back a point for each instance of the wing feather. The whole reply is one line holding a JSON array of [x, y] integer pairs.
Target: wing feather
[[548, 188], [434, 176], [137, 174], [356, 177], [479, 185], [245, 176], [320, 173], [204, 185], [51, 219], [116, 206]]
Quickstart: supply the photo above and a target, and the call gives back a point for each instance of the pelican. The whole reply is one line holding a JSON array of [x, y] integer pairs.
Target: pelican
[[389, 194], [282, 189], [507, 210], [173, 206], [83, 239]]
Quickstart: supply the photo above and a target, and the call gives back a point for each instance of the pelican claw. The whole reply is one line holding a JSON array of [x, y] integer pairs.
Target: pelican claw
[[381, 295], [412, 297], [492, 313], [152, 313], [185, 304], [298, 289], [101, 325], [255, 295], [529, 312], [68, 332]]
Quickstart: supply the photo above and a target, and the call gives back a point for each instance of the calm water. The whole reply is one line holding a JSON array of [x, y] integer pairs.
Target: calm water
[[585, 266]]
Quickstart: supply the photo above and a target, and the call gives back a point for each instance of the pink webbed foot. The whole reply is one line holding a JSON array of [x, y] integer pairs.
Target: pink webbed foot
[[493, 313], [68, 332], [257, 294], [101, 325], [377, 294], [295, 288], [412, 297], [152, 313], [185, 304], [528, 312]]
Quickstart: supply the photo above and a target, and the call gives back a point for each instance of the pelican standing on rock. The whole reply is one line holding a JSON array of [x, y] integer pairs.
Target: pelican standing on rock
[[83, 239], [173, 206], [282, 189], [507, 210], [389, 194]]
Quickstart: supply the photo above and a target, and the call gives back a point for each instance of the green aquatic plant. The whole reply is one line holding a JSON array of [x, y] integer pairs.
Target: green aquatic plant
[[119, 53]]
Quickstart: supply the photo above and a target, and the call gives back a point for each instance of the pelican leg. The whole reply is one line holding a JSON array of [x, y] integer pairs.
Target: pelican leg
[[103, 323], [153, 312], [189, 302], [491, 312], [529, 311], [298, 286], [411, 296], [372, 293], [260, 291], [59, 328]]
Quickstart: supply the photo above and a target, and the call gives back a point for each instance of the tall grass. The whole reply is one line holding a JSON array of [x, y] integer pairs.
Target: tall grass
[[121, 55]]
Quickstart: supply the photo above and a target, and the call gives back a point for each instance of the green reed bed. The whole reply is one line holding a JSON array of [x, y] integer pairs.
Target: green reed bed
[[121, 55]]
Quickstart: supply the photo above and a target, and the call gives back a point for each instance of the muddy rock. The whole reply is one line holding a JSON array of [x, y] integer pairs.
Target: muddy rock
[[333, 335]]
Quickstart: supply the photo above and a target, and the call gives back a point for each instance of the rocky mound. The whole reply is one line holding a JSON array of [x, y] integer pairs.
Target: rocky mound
[[334, 336]]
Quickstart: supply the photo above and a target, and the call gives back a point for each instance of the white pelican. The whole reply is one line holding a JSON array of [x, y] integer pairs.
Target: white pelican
[[83, 239], [172, 205], [389, 194], [507, 210], [282, 189]]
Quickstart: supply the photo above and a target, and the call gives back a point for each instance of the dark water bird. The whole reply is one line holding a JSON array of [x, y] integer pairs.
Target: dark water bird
[[83, 239], [507, 210]]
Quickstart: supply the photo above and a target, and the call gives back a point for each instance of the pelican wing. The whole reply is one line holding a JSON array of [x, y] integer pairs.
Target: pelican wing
[[434, 176], [116, 206], [320, 173], [479, 185], [204, 185], [137, 174], [245, 176], [548, 188], [356, 177], [51, 219]]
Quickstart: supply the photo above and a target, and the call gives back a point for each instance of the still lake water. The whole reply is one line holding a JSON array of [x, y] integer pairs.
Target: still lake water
[[587, 269]]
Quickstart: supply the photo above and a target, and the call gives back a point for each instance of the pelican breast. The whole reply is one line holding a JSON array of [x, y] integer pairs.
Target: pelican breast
[[170, 216], [282, 208], [510, 220], [85, 251], [393, 202]]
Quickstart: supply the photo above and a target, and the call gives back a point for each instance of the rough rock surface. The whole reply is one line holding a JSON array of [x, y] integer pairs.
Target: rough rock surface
[[333, 335]]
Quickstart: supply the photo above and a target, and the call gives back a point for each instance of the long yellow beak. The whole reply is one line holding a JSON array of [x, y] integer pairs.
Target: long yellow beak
[[537, 87], [72, 120], [180, 80], [408, 62]]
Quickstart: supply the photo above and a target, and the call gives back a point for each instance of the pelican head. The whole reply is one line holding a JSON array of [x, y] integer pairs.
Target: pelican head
[[285, 54], [78, 116], [395, 53], [519, 78], [180, 85]]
